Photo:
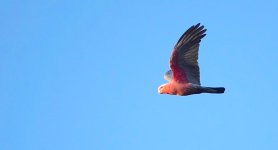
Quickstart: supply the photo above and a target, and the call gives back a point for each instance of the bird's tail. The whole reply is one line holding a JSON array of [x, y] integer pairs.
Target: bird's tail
[[216, 90]]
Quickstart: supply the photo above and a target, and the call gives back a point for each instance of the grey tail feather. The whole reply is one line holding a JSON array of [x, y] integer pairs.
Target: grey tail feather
[[213, 90]]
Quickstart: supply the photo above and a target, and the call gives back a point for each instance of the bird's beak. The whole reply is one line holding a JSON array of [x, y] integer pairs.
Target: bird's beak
[[159, 91]]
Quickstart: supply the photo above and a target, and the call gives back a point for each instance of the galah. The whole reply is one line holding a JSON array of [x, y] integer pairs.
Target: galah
[[184, 76]]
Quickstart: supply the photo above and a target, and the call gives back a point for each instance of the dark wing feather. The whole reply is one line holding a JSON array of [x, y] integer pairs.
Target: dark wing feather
[[184, 59]]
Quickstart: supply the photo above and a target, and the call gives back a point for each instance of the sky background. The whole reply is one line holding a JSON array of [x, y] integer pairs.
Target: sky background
[[83, 75]]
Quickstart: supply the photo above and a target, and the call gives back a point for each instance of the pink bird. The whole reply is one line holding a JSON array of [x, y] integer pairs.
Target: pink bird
[[184, 76]]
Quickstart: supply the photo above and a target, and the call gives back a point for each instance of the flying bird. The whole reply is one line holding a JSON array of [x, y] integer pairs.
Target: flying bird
[[184, 76]]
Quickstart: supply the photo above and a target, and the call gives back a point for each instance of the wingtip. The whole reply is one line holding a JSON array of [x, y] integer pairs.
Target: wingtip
[[199, 26]]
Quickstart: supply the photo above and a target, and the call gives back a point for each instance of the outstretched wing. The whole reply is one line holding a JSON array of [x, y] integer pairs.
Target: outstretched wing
[[184, 59]]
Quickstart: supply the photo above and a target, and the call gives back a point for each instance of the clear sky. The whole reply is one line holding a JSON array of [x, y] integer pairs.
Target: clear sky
[[83, 75]]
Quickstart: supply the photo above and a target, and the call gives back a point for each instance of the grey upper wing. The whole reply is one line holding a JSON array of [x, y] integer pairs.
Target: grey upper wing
[[188, 48]]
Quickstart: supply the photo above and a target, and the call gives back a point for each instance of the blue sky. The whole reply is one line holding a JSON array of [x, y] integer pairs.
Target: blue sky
[[84, 75]]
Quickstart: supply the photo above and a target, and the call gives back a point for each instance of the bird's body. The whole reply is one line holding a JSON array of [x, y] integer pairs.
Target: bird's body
[[184, 76], [174, 88]]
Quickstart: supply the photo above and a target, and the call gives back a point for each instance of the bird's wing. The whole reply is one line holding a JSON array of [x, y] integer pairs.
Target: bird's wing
[[184, 59], [168, 76]]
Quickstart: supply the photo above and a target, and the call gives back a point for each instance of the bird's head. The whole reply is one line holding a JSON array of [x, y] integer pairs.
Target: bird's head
[[161, 89]]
